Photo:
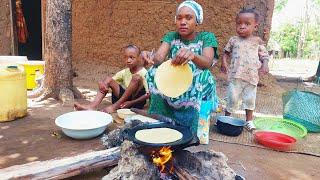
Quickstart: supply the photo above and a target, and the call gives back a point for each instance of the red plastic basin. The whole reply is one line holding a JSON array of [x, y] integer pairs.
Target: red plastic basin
[[274, 140]]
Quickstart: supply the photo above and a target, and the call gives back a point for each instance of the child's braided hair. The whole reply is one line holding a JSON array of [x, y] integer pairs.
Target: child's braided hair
[[133, 47], [250, 10]]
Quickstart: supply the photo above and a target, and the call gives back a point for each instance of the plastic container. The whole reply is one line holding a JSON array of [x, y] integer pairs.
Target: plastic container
[[38, 78], [230, 126], [303, 108], [274, 140], [280, 125], [10, 60], [13, 92], [31, 67]]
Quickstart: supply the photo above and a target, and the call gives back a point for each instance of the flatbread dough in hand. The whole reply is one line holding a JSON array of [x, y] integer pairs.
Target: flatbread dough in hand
[[173, 81], [158, 135]]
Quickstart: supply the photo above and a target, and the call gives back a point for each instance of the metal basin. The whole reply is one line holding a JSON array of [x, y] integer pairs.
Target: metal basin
[[83, 124], [230, 126]]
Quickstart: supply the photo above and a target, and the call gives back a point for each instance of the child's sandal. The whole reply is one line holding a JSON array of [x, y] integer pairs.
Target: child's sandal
[[250, 126]]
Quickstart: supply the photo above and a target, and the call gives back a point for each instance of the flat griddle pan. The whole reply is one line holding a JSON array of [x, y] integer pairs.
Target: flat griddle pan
[[187, 136]]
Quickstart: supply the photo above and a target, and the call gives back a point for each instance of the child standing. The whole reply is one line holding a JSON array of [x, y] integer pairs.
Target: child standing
[[129, 87], [249, 58]]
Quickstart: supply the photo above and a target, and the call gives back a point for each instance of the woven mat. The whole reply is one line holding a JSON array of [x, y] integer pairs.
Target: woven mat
[[267, 104], [310, 145]]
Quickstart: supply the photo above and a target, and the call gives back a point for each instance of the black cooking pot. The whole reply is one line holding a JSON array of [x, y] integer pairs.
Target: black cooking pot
[[229, 126], [188, 138]]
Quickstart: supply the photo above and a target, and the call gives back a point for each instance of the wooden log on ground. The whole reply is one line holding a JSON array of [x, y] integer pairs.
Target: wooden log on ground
[[63, 168], [183, 174]]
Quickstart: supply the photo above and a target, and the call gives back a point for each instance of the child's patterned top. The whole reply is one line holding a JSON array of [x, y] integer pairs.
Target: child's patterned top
[[247, 55]]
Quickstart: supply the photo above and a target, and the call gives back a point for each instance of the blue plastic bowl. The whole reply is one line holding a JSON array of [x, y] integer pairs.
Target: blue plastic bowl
[[230, 126]]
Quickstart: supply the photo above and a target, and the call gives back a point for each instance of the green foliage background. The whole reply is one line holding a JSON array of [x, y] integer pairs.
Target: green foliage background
[[287, 35]]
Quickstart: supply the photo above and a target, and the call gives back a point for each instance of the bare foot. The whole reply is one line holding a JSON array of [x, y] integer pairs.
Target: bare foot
[[110, 109], [81, 107]]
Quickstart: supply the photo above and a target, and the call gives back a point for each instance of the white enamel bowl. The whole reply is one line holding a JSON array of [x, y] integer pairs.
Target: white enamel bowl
[[83, 124]]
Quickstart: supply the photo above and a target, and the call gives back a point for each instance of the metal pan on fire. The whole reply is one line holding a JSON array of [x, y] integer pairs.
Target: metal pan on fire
[[186, 135]]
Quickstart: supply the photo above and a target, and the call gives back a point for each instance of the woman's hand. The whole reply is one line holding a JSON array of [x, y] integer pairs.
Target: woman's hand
[[183, 56]]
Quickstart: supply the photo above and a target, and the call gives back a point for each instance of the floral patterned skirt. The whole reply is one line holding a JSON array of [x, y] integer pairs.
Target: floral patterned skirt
[[185, 108]]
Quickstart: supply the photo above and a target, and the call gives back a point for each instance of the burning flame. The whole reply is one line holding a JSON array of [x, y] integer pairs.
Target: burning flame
[[161, 157]]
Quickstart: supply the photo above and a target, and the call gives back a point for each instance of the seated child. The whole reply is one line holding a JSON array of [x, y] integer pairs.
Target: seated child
[[129, 87], [249, 57]]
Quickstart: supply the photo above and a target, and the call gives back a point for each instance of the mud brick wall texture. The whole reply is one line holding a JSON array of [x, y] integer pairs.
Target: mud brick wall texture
[[5, 28], [102, 27]]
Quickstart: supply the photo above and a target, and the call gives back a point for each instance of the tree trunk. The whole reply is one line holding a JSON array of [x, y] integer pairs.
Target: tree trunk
[[265, 9], [315, 78], [304, 29], [318, 70], [57, 54]]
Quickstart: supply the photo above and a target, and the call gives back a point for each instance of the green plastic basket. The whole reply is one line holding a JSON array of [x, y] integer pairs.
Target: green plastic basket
[[303, 108], [281, 126]]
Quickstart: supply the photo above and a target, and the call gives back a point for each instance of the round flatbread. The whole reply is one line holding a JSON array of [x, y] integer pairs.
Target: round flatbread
[[158, 135], [173, 81]]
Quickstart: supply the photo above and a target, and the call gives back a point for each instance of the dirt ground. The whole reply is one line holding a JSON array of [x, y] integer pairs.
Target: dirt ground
[[36, 138]]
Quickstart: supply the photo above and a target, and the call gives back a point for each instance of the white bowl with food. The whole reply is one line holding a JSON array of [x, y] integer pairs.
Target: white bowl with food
[[83, 124], [124, 113]]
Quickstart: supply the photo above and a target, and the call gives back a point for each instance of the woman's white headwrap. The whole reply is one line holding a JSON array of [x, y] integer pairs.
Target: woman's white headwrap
[[195, 7]]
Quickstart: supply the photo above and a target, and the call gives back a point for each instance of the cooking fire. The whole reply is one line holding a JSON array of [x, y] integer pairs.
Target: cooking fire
[[161, 158]]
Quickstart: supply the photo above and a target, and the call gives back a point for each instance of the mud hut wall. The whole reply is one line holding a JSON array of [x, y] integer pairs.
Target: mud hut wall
[[5, 28], [102, 27]]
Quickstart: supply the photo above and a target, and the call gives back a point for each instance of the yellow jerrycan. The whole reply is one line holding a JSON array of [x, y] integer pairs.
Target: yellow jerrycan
[[13, 92]]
